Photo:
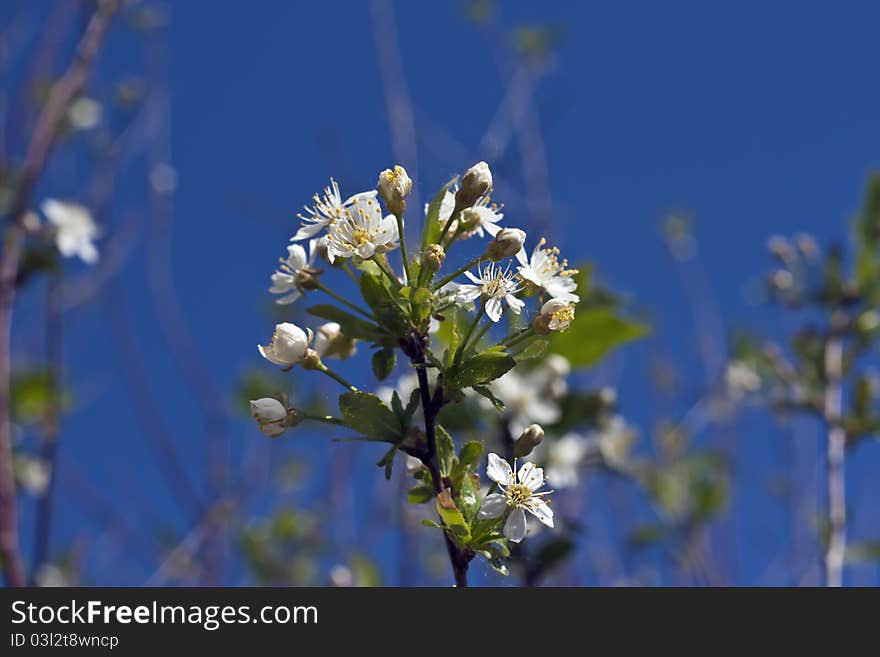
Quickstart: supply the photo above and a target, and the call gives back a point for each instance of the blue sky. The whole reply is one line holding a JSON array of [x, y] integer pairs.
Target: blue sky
[[755, 118]]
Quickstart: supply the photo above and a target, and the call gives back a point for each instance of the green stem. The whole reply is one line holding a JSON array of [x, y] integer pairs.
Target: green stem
[[341, 299], [328, 419], [467, 336], [452, 217], [347, 269], [443, 281], [402, 237], [333, 375], [513, 338], [387, 271]]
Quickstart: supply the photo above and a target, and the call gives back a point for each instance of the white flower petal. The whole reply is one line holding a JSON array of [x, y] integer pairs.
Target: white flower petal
[[515, 527], [515, 305], [499, 470], [473, 279], [542, 511], [493, 506], [493, 309], [307, 231], [530, 476], [468, 292]]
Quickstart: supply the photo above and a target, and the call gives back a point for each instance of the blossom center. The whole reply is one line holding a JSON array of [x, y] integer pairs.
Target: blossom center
[[518, 494]]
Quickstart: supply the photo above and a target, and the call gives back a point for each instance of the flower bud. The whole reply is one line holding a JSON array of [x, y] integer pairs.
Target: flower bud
[[311, 360], [270, 414], [330, 342], [433, 258], [556, 316], [469, 220], [507, 243], [289, 344], [394, 186], [528, 440], [476, 181]]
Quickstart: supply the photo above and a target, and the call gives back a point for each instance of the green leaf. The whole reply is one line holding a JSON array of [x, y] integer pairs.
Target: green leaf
[[451, 516], [431, 228], [381, 301], [352, 326], [420, 494], [487, 393], [366, 414], [867, 233], [481, 369], [534, 349], [593, 334], [388, 462], [445, 451], [383, 363], [469, 498], [470, 453]]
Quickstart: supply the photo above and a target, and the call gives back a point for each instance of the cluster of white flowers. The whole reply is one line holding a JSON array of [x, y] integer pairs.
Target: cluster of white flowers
[[346, 232]]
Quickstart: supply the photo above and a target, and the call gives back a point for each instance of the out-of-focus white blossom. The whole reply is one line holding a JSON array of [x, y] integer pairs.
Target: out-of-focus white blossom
[[75, 229], [564, 459], [85, 113], [741, 379]]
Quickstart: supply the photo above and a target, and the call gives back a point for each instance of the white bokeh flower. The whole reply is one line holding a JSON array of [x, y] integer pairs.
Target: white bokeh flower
[[361, 231], [288, 346], [294, 270], [75, 229], [741, 379], [494, 284], [564, 458], [614, 442], [519, 492], [545, 271], [326, 209], [530, 397]]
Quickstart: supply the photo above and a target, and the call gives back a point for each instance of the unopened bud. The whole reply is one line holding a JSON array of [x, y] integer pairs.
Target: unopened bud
[[330, 342], [507, 243], [476, 181], [528, 440], [270, 414], [433, 258], [556, 316], [394, 186], [469, 220], [311, 360]]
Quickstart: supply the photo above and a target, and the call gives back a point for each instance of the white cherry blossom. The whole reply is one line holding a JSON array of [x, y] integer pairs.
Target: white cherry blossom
[[519, 493], [545, 270], [494, 284], [326, 209]]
